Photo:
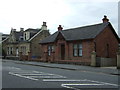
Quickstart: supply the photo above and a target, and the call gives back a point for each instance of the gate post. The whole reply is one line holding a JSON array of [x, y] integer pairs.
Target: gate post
[[93, 59], [118, 58], [20, 56], [29, 56]]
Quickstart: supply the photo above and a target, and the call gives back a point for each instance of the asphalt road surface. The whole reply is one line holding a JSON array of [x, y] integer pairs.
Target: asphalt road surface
[[16, 75]]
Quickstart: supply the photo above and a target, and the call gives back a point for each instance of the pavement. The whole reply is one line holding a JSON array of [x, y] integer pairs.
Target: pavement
[[104, 70]]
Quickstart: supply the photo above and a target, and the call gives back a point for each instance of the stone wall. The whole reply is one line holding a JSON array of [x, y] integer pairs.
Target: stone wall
[[36, 49], [106, 44], [105, 62]]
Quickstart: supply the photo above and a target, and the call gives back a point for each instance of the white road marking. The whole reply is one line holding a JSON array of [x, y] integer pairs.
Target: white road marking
[[103, 83], [50, 77], [62, 80], [71, 85], [23, 72], [93, 83], [22, 76], [84, 84], [13, 68], [35, 74], [16, 68]]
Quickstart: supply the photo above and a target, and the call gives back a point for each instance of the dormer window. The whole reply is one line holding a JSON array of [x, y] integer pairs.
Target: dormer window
[[26, 35]]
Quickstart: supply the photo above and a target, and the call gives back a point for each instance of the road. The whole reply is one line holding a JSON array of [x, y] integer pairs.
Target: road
[[16, 75]]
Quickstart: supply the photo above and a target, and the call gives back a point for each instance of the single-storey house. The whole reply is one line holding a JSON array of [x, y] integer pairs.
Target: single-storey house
[[75, 45]]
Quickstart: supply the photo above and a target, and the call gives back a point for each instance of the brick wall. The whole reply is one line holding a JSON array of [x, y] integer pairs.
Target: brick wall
[[69, 58], [87, 49], [104, 40]]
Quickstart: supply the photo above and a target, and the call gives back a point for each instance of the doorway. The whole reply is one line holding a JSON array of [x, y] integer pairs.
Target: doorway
[[62, 51]]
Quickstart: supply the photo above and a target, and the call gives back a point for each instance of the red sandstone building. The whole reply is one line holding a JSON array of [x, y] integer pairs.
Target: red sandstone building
[[75, 45]]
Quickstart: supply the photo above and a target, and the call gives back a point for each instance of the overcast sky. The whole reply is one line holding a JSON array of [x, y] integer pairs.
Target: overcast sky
[[68, 13]]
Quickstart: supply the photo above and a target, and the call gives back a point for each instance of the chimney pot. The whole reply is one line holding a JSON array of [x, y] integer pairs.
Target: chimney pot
[[44, 24], [21, 29], [13, 30], [60, 28], [105, 19]]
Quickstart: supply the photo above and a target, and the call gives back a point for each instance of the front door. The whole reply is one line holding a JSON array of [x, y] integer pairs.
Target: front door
[[62, 52]]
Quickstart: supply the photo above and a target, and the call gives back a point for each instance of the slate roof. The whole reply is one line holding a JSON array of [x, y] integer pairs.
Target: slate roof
[[18, 34], [32, 30], [4, 36], [80, 33]]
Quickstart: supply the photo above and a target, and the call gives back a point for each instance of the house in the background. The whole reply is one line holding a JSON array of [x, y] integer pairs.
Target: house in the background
[[4, 36], [22, 43], [75, 45]]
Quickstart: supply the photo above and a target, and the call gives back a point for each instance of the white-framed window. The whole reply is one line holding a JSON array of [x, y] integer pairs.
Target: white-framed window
[[23, 50], [9, 50], [77, 50], [80, 49], [50, 49]]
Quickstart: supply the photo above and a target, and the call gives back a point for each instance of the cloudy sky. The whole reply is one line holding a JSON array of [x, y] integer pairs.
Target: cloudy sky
[[68, 13]]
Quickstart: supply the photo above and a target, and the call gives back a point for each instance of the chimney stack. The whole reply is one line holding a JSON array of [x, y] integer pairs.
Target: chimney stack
[[21, 29], [60, 28], [105, 19], [44, 26], [13, 30]]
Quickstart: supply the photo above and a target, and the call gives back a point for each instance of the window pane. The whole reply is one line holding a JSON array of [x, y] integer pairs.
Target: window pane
[[52, 48], [75, 52], [11, 50], [80, 52], [49, 47], [49, 50], [75, 48], [49, 53]]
